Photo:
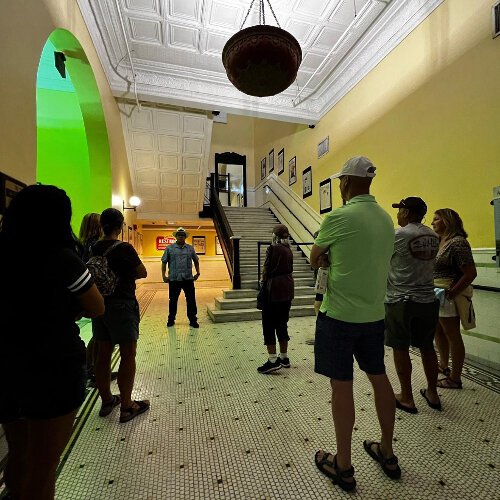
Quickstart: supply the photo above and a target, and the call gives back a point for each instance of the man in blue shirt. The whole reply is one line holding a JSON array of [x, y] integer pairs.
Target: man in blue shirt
[[180, 258]]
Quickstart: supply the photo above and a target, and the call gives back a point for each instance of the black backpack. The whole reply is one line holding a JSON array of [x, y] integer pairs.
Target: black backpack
[[104, 278]]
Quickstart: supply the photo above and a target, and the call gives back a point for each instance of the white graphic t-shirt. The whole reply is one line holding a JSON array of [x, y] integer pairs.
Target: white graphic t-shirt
[[412, 265]]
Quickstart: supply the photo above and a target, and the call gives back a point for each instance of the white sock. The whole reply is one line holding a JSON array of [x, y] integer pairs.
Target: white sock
[[283, 355], [273, 358]]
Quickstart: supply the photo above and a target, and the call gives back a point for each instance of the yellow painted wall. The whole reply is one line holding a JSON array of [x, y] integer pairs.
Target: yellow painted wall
[[236, 136], [149, 244], [427, 116], [24, 29]]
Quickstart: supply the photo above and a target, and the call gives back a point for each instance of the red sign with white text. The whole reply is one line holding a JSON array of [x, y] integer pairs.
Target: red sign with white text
[[162, 242]]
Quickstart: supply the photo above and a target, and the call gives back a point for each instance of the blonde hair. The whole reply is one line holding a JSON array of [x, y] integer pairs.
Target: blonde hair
[[452, 222], [90, 228]]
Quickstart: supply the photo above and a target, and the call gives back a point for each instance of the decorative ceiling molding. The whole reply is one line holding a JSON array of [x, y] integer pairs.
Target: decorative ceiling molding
[[176, 49]]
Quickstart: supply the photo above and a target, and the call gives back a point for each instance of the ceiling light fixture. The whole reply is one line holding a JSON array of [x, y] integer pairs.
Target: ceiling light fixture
[[262, 60]]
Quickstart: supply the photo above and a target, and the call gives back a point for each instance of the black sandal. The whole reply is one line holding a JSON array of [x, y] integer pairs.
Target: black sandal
[[128, 414], [107, 408], [337, 476], [449, 383], [384, 462]]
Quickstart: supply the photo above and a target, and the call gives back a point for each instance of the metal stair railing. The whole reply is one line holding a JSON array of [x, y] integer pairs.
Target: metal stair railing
[[229, 242]]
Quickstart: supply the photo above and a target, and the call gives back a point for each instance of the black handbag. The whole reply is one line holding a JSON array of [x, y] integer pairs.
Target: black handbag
[[263, 297]]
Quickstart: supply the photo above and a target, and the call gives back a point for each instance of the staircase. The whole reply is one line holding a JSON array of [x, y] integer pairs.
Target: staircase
[[253, 225]]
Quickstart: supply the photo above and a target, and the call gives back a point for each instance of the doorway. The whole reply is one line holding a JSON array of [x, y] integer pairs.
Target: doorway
[[230, 179]]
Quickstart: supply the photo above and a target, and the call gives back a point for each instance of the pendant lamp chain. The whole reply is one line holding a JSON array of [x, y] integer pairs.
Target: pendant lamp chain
[[262, 13]]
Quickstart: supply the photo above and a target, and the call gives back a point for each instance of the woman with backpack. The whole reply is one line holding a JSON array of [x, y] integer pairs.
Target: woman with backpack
[[115, 266], [42, 358]]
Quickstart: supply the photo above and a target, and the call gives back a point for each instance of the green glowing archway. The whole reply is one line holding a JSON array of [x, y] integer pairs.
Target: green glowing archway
[[73, 148]]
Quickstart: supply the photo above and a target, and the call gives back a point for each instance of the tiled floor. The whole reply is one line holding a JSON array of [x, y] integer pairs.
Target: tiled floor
[[218, 429]]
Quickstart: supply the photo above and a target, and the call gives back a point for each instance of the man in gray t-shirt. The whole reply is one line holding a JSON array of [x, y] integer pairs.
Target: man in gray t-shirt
[[410, 303]]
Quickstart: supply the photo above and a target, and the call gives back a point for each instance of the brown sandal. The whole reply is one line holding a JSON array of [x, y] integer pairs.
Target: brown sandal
[[448, 383], [107, 408], [127, 414]]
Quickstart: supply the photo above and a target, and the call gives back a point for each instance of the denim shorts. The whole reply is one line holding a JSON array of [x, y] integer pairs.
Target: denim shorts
[[119, 324], [337, 342], [411, 323]]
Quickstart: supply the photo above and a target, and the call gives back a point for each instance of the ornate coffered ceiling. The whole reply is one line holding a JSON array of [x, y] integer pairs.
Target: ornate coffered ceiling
[[176, 48]]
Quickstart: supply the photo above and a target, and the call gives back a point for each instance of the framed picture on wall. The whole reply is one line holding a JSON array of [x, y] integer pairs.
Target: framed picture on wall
[[218, 248], [271, 160], [325, 196], [307, 182], [199, 245], [292, 171], [263, 168], [129, 235], [281, 162], [124, 231]]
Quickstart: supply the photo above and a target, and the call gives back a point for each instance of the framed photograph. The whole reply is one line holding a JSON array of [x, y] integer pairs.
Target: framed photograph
[[263, 168], [307, 189], [324, 147], [124, 229], [281, 162], [325, 196], [218, 248], [292, 171], [199, 245], [129, 236], [271, 160]]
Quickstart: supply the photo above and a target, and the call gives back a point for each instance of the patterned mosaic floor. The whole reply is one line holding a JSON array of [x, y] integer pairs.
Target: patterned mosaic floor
[[219, 430]]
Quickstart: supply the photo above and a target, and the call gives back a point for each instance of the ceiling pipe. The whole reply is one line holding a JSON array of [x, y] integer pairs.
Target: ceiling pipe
[[129, 54], [332, 50]]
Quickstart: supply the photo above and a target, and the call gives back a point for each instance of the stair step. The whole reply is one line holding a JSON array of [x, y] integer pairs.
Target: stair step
[[247, 293], [246, 276], [297, 266], [224, 316], [251, 302], [298, 281]]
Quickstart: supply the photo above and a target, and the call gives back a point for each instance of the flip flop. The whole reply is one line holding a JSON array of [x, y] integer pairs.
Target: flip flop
[[107, 408], [434, 406], [384, 462], [338, 477], [127, 414], [448, 383], [405, 408]]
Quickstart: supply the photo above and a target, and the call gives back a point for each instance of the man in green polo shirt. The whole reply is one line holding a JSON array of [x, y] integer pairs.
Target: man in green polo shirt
[[356, 241]]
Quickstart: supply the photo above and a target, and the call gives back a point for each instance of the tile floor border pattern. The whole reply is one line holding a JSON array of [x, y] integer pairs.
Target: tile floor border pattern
[[217, 429]]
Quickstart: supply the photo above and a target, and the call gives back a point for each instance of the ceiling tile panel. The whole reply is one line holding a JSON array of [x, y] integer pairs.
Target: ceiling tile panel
[[343, 14], [169, 163], [170, 194], [192, 146], [184, 37], [189, 195], [169, 179], [168, 143], [148, 177], [311, 61], [149, 192], [191, 164], [143, 140], [150, 206], [150, 6], [170, 207], [313, 8], [327, 38], [190, 180], [144, 160], [194, 125], [185, 9], [141, 120], [143, 30], [168, 121], [215, 43], [301, 30], [226, 15], [189, 208]]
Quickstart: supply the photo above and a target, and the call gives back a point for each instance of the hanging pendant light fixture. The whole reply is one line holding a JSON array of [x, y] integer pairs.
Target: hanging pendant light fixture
[[262, 60]]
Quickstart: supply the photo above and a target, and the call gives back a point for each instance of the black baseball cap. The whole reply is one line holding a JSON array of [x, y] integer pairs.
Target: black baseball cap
[[413, 204]]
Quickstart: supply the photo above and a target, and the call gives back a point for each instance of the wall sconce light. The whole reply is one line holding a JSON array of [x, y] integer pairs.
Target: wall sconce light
[[134, 202]]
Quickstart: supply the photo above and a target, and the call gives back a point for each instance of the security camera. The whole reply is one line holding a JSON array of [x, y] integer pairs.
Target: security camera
[[312, 126], [216, 113]]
